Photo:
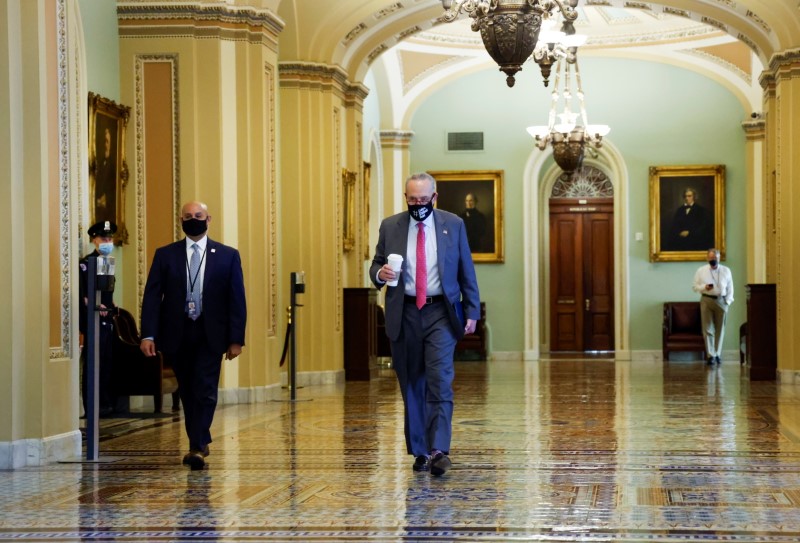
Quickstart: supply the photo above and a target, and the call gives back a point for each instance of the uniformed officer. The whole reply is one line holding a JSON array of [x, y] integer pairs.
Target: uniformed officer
[[102, 235]]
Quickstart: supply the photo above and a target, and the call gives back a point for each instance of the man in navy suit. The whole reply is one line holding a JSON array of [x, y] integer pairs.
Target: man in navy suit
[[194, 312], [435, 302]]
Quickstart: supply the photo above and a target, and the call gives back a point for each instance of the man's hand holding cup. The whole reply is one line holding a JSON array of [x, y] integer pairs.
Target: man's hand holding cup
[[390, 272]]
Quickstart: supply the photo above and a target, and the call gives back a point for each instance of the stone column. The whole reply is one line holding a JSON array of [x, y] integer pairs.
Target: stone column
[[756, 201], [396, 165], [781, 82], [321, 123]]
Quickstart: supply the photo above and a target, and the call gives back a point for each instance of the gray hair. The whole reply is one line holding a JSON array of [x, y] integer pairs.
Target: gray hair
[[716, 251], [425, 176]]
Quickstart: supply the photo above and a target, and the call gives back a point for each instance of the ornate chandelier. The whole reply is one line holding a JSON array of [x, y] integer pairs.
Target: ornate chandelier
[[572, 132], [509, 28]]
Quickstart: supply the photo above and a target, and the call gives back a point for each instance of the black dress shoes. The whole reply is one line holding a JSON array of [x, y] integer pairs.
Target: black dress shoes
[[440, 463], [422, 463], [187, 458], [717, 360], [710, 361], [195, 460]]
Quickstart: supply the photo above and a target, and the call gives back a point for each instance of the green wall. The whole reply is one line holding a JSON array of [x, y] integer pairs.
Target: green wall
[[100, 30], [659, 115]]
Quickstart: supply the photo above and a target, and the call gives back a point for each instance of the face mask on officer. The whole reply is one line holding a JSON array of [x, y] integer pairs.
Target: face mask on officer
[[105, 248]]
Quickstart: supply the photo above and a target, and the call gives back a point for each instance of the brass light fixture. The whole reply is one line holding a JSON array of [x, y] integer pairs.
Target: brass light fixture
[[509, 28], [572, 132]]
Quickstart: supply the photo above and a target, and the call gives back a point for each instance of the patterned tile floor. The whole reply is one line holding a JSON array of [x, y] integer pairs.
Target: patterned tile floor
[[555, 450]]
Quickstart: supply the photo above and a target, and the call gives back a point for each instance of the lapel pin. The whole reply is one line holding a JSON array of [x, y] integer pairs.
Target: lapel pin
[[445, 232], [213, 250]]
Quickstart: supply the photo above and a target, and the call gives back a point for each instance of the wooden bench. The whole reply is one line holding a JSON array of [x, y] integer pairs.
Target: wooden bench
[[682, 330], [135, 374]]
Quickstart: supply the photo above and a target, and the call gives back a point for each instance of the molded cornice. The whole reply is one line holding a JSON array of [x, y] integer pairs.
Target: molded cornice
[[322, 77], [153, 20], [784, 65]]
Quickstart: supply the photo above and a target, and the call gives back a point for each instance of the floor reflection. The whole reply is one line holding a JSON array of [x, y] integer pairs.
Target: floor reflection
[[563, 449]]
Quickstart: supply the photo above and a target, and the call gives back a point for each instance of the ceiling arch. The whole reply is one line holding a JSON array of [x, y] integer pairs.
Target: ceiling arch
[[357, 32]]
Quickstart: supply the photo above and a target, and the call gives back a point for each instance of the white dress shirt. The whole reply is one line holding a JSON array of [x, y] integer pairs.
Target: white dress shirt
[[721, 279], [410, 269]]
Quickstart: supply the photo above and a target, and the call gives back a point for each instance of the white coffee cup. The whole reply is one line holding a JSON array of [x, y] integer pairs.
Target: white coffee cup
[[396, 263]]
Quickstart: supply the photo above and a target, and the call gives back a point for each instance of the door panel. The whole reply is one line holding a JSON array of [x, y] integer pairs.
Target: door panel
[[566, 293], [582, 274], [598, 273]]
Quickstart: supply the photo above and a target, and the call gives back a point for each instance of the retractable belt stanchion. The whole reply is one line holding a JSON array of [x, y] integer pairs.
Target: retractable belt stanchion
[[297, 282], [100, 279], [298, 285]]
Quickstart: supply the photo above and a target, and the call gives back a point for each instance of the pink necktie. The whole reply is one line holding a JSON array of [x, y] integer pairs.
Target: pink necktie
[[421, 279]]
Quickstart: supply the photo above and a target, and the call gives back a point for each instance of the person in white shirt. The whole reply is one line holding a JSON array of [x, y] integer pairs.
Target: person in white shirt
[[714, 282]]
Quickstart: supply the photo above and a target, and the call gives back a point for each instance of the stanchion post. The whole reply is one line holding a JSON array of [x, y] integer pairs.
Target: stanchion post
[[92, 373], [297, 281]]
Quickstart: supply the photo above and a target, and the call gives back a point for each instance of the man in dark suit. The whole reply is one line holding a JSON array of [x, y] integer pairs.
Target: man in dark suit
[[194, 311], [691, 229], [475, 222], [425, 315]]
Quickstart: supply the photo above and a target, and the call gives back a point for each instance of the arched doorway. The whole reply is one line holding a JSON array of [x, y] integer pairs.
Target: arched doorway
[[581, 218]]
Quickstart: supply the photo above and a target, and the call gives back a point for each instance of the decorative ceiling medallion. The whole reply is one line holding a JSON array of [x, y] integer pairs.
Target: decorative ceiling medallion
[[750, 43], [759, 21], [388, 10], [406, 33], [353, 34], [375, 52], [677, 12], [714, 22]]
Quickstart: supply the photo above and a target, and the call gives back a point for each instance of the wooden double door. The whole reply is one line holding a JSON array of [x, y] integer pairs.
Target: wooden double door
[[582, 274]]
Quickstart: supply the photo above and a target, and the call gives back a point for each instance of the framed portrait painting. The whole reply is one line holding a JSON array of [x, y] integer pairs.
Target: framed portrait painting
[[108, 170], [477, 197], [687, 212]]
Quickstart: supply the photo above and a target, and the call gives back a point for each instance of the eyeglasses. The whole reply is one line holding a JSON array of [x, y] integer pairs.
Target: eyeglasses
[[425, 200]]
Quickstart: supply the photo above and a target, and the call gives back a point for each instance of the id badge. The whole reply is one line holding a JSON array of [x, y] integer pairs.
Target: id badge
[[191, 308]]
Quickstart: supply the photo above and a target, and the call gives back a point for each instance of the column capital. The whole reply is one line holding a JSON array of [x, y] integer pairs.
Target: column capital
[[783, 65], [396, 138], [755, 129]]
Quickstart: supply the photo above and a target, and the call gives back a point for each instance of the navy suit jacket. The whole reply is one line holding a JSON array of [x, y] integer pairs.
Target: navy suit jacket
[[223, 305], [456, 271]]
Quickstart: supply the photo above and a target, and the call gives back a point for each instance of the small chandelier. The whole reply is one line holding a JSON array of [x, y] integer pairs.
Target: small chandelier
[[567, 136], [509, 28], [554, 44]]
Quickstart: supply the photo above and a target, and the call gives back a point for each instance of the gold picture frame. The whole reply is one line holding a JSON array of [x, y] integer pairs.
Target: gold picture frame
[[108, 169], [687, 212], [349, 211], [367, 177], [484, 221]]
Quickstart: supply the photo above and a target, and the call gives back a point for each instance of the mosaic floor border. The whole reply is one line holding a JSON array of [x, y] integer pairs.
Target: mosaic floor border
[[390, 535]]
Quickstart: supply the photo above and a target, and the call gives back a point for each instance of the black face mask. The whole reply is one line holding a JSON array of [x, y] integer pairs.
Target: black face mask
[[712, 263], [420, 212], [194, 227]]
